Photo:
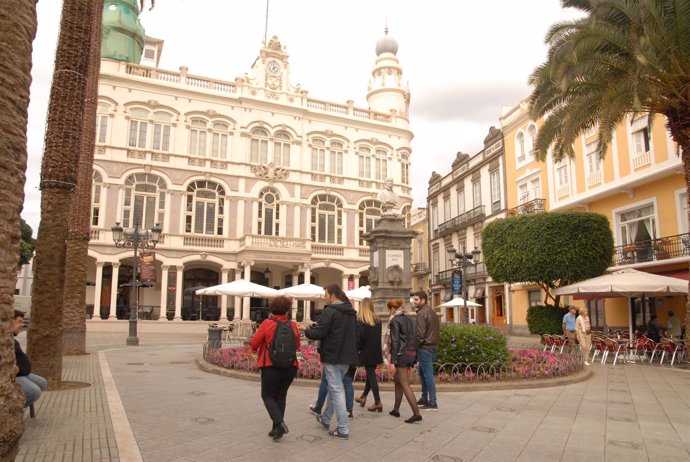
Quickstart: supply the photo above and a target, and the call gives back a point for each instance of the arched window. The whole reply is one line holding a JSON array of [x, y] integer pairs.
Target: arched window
[[326, 219], [138, 127], [102, 123], [269, 212], [96, 197], [281, 149], [197, 138], [162, 124], [336, 158], [520, 146], [205, 208], [369, 212], [318, 155], [258, 151], [144, 200], [364, 155], [219, 145], [531, 138]]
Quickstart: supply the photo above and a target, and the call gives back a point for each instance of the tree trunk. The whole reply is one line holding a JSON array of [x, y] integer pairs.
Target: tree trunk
[[58, 181], [17, 31], [74, 325]]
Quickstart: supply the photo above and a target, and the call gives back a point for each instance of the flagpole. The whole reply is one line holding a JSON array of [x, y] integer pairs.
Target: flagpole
[[266, 24]]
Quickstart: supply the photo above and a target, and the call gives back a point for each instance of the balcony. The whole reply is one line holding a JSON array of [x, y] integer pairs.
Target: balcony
[[652, 250], [472, 272], [533, 206], [460, 222], [276, 242], [419, 268]]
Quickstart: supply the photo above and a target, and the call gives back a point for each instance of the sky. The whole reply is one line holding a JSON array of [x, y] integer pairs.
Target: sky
[[464, 60]]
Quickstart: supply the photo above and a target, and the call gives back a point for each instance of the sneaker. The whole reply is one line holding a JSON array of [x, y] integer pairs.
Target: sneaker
[[338, 435], [319, 419], [314, 409], [587, 363], [422, 402], [349, 415], [429, 407]]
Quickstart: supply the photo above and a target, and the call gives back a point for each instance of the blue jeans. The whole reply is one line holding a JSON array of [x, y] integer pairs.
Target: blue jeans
[[347, 384], [425, 368], [32, 385], [335, 401]]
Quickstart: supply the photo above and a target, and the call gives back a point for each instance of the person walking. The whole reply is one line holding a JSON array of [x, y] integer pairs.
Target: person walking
[[569, 326], [370, 355], [401, 349], [428, 330], [277, 361], [583, 329], [337, 331]]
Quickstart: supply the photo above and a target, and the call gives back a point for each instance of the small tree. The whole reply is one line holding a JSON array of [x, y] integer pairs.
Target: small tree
[[550, 249], [27, 243]]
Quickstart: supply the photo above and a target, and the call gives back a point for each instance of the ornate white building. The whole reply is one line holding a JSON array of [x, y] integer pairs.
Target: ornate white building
[[249, 179]]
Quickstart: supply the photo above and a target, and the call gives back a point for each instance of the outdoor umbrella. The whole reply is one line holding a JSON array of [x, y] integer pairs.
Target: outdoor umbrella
[[240, 288], [458, 301], [359, 294], [303, 292], [626, 283]]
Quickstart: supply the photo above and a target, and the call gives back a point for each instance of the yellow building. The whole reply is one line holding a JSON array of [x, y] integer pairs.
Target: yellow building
[[420, 251], [639, 186]]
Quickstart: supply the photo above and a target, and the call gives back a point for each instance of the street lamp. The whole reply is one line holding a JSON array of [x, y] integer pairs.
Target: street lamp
[[464, 259], [135, 238]]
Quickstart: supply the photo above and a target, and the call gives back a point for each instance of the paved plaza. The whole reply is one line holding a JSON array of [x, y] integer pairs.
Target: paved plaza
[[152, 403]]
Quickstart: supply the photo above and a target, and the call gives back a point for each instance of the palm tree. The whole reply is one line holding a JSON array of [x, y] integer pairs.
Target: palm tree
[[58, 181], [622, 59], [74, 320], [17, 32]]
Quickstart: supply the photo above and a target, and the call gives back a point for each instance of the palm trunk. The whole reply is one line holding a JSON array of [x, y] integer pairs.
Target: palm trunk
[[74, 324], [58, 181], [17, 31]]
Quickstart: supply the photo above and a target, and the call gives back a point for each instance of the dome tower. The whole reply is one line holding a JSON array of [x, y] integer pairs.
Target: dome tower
[[387, 93], [123, 34]]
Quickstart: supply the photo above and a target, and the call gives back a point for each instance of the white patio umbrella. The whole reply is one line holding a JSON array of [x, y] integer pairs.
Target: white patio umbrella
[[240, 288], [303, 292], [458, 301], [359, 294], [626, 283]]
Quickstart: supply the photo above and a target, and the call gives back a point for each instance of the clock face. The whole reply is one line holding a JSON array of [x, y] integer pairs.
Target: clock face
[[273, 68]]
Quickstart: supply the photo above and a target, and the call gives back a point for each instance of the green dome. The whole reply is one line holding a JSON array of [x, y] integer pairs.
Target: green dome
[[123, 34]]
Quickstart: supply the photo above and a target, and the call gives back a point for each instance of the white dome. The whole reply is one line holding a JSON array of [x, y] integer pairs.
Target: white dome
[[386, 44]]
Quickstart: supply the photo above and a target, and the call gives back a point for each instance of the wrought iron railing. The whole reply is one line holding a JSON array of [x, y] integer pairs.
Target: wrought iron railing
[[473, 271], [460, 222], [652, 250], [533, 206], [420, 268]]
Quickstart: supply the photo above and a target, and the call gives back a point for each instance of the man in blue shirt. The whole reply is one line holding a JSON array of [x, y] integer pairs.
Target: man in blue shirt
[[569, 326]]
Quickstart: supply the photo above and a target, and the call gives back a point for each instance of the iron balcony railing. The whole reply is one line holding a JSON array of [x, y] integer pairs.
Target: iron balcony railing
[[460, 222], [652, 250], [473, 271], [533, 206], [420, 268]]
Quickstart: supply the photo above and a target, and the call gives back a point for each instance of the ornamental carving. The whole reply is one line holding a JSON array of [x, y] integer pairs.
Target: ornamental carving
[[373, 274], [270, 172], [274, 44], [394, 274]]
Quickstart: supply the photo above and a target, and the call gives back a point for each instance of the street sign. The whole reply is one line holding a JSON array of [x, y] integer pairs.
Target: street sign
[[456, 282]]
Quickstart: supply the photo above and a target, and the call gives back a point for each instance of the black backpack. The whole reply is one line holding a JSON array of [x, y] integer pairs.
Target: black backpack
[[283, 350]]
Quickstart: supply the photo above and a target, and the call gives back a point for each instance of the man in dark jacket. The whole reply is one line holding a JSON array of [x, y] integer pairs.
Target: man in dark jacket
[[32, 384], [428, 336], [337, 331]]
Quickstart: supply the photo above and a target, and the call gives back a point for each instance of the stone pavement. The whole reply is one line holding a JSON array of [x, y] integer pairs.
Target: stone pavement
[[152, 403]]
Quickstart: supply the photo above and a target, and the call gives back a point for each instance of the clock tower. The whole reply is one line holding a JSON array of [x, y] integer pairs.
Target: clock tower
[[387, 93], [270, 71]]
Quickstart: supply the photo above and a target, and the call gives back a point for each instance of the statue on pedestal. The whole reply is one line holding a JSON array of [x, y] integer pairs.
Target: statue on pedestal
[[388, 198]]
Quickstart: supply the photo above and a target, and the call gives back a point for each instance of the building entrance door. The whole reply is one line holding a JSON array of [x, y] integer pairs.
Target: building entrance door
[[498, 312]]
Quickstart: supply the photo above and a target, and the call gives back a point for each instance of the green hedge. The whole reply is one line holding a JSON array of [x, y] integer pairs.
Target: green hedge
[[462, 344], [545, 319]]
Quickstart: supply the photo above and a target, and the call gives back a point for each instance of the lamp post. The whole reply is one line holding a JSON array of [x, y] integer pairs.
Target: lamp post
[[135, 238], [464, 259]]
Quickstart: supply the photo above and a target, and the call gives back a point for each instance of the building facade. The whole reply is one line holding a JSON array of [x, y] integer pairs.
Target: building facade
[[638, 185], [459, 205], [420, 251], [249, 179]]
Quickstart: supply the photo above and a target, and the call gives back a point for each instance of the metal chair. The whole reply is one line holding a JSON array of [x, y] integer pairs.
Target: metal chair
[[548, 342]]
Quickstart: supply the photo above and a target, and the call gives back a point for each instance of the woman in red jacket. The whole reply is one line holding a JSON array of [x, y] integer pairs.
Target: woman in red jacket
[[275, 381]]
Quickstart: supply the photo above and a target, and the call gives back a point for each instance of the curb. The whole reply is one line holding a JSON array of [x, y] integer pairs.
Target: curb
[[579, 376]]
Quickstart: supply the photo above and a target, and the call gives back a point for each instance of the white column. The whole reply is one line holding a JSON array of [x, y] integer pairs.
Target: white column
[[179, 289], [245, 300], [283, 213], [113, 290], [224, 298], [238, 300], [240, 218], [164, 292], [295, 281], [99, 289], [296, 216], [355, 277], [307, 303], [345, 278]]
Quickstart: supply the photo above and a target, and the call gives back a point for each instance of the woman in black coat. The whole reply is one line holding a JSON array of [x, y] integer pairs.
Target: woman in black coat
[[401, 349], [369, 348]]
